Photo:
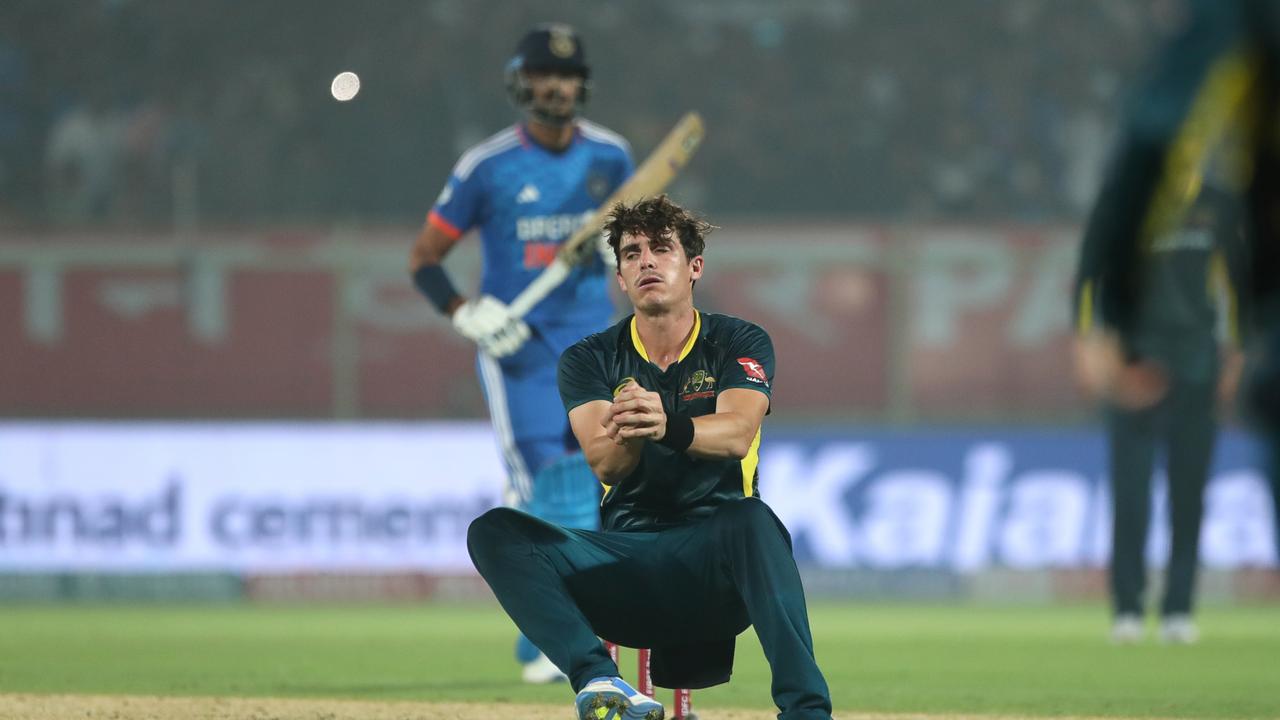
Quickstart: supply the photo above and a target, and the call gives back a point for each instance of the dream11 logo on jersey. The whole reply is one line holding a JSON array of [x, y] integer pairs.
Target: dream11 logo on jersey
[[754, 371]]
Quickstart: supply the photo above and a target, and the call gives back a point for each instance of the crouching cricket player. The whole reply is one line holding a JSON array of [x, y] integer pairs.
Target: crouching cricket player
[[667, 406]]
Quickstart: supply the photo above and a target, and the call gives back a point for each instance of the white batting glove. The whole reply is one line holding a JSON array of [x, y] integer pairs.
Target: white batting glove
[[488, 322]]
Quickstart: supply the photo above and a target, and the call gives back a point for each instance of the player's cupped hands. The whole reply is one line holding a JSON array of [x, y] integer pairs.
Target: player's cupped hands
[[1103, 370], [635, 413]]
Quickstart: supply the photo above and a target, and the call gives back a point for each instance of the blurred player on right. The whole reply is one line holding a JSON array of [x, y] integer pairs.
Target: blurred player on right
[[1186, 326], [1214, 91]]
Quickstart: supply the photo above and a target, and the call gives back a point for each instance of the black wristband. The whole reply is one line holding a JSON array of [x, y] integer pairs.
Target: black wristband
[[434, 284], [679, 434]]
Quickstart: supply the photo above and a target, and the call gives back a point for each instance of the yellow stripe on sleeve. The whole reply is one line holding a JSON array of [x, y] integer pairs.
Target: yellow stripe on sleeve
[[749, 464], [1215, 112], [1084, 318]]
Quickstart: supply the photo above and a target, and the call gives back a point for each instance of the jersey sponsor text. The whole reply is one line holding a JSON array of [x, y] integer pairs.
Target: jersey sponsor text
[[549, 228]]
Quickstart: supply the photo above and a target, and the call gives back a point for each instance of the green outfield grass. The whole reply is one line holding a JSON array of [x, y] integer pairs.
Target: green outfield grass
[[929, 659]]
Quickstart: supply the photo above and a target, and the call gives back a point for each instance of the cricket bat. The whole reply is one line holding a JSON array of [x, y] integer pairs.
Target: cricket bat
[[653, 175]]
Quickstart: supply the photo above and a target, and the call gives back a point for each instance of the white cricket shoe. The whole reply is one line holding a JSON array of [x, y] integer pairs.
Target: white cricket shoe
[[542, 672], [1179, 630], [611, 698], [1127, 629]]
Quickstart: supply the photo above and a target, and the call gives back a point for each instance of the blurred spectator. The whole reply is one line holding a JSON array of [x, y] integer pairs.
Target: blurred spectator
[[837, 108], [14, 124], [80, 162]]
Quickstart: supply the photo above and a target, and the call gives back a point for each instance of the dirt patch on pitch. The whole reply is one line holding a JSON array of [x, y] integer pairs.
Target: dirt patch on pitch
[[141, 707]]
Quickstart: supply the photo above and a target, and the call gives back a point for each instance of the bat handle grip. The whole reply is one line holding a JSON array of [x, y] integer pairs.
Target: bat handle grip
[[534, 292]]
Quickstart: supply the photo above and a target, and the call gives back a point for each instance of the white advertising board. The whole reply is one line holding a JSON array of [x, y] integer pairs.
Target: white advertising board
[[297, 497], [243, 496]]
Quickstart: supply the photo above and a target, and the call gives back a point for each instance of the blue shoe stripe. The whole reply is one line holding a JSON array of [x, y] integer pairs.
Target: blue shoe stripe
[[616, 696]]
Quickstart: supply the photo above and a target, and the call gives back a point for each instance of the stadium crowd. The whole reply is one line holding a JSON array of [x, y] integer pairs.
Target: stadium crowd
[[832, 108]]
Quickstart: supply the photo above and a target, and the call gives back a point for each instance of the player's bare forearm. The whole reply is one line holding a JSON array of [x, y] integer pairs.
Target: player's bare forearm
[[725, 434], [729, 432], [431, 246], [429, 251], [611, 458], [1233, 362]]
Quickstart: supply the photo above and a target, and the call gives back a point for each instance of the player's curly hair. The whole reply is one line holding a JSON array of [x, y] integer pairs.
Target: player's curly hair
[[656, 217]]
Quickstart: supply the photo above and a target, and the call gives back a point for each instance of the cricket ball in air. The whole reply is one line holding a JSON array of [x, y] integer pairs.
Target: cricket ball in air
[[345, 86]]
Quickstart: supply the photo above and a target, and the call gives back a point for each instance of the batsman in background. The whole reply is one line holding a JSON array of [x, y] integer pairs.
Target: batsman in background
[[667, 405], [527, 189]]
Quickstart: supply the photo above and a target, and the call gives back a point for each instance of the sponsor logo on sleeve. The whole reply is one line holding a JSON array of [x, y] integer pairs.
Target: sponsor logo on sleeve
[[754, 371]]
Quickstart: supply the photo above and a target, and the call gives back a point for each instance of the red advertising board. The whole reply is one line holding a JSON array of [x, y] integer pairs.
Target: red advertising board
[[868, 323]]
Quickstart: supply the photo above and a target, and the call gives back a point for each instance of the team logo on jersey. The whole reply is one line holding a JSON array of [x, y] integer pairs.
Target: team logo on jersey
[[699, 385], [528, 194], [561, 42], [754, 371], [597, 186], [621, 384]]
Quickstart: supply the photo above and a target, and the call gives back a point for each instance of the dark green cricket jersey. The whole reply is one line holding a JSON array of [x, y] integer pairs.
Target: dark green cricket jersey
[[1209, 96], [668, 487], [1188, 293]]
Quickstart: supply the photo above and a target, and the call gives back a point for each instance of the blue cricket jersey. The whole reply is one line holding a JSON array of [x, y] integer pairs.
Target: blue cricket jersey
[[526, 201]]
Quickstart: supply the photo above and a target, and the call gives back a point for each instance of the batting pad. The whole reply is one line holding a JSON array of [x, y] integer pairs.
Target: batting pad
[[567, 493]]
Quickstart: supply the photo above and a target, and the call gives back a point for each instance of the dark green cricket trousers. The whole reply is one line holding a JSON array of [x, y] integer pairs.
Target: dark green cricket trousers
[[1184, 426], [702, 582]]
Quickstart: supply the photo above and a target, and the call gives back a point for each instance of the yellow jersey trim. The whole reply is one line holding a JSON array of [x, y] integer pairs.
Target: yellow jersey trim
[[1084, 316], [684, 352], [749, 465], [1215, 113]]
